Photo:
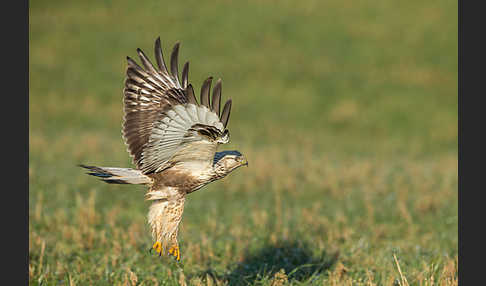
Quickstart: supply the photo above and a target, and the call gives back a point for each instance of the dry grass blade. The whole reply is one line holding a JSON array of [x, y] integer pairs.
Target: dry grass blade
[[41, 257], [182, 278], [404, 281], [370, 279]]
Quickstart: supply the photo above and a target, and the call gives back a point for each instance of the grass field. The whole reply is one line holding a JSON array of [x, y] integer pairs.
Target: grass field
[[346, 111]]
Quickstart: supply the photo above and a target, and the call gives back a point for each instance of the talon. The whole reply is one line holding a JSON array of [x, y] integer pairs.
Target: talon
[[158, 247], [174, 251]]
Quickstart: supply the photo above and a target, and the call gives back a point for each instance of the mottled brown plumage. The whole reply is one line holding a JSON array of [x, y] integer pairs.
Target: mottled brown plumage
[[172, 140]]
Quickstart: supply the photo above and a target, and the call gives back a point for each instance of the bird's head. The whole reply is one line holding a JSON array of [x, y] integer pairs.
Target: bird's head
[[227, 161]]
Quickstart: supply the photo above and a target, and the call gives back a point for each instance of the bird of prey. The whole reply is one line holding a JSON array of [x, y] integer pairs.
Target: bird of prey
[[172, 140]]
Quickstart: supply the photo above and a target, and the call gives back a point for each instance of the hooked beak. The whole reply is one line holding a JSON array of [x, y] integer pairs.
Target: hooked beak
[[243, 160]]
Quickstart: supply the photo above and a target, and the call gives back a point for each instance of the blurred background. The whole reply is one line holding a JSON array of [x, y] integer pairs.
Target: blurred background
[[346, 111]]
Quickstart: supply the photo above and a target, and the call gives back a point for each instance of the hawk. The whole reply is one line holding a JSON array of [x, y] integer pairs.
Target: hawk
[[172, 140]]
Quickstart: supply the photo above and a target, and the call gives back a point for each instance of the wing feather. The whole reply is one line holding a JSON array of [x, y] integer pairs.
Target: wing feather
[[173, 61], [226, 112], [146, 62], [192, 111], [205, 91], [159, 57], [216, 100], [185, 74], [190, 95]]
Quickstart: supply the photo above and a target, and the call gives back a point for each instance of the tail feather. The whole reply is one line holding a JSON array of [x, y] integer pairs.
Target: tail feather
[[113, 175]]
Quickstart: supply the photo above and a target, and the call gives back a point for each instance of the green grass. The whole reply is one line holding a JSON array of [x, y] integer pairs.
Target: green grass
[[346, 111]]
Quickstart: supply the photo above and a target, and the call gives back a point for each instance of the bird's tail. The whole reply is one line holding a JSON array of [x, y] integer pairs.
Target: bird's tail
[[118, 175]]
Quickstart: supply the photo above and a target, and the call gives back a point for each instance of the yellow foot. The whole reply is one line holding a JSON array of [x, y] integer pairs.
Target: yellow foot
[[158, 247], [174, 251]]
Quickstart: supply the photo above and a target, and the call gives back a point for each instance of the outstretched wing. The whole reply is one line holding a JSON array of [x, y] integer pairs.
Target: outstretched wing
[[163, 123]]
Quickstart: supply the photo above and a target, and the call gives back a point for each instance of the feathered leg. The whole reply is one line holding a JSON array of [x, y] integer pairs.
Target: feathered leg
[[164, 217]]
